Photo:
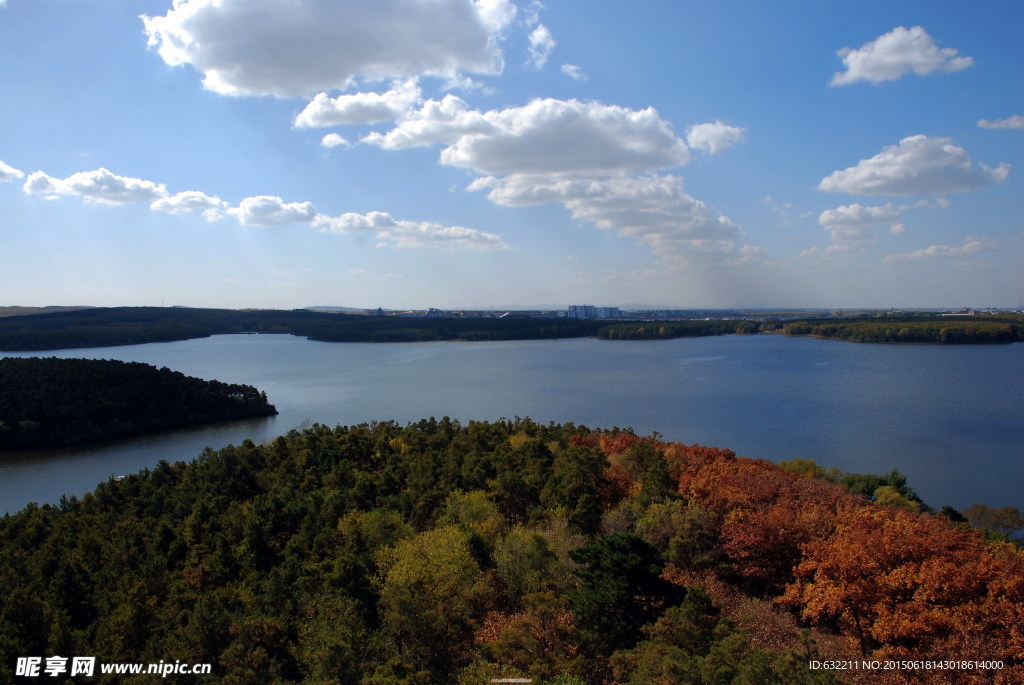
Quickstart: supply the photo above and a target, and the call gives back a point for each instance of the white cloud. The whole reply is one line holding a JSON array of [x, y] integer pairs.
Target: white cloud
[[334, 140], [99, 186], [443, 121], [971, 245], [896, 54], [919, 165], [852, 223], [713, 138], [827, 253], [595, 159], [544, 136], [561, 136], [269, 210], [531, 16], [359, 108], [105, 187], [7, 172], [574, 71], [1016, 121], [269, 47], [654, 210], [191, 200], [496, 14], [541, 45], [751, 251], [391, 232], [39, 183], [462, 82]]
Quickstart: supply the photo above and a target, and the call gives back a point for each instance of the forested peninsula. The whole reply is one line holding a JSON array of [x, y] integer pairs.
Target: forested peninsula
[[57, 402], [106, 326], [441, 553]]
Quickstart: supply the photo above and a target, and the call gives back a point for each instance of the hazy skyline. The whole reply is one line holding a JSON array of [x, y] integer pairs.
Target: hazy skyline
[[466, 154]]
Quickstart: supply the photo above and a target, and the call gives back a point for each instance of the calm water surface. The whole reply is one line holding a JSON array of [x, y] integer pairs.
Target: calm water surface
[[950, 417]]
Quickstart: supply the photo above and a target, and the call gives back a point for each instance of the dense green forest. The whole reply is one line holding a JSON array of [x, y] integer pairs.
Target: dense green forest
[[55, 402], [915, 329], [446, 553]]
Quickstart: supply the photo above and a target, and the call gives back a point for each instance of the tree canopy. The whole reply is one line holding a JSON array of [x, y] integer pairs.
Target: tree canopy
[[53, 402], [437, 553]]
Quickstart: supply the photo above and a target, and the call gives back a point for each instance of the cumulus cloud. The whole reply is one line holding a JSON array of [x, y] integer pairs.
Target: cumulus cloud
[[99, 186], [359, 108], [391, 232], [971, 245], [266, 47], [334, 140], [1016, 121], [541, 45], [852, 223], [652, 210], [7, 172], [919, 165], [189, 201], [560, 136], [896, 54], [574, 71], [105, 187], [40, 183], [544, 136], [597, 160], [270, 210], [714, 138], [102, 186], [436, 122]]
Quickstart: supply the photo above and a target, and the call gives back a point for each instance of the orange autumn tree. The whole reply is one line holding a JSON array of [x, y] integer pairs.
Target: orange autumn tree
[[900, 584], [767, 514], [908, 585]]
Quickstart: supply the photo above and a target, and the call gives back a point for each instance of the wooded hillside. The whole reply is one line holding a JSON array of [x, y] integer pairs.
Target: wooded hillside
[[442, 553]]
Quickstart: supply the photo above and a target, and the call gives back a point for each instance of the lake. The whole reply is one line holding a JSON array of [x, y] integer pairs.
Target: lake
[[950, 417]]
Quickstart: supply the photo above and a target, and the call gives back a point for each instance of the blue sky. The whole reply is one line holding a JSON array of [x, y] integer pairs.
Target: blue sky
[[496, 153]]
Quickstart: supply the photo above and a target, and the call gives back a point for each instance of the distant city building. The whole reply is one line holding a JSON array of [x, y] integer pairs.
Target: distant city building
[[588, 311]]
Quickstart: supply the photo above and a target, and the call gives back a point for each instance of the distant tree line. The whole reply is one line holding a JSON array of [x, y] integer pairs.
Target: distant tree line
[[54, 402], [416, 329], [442, 553], [664, 330], [915, 329], [103, 326]]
